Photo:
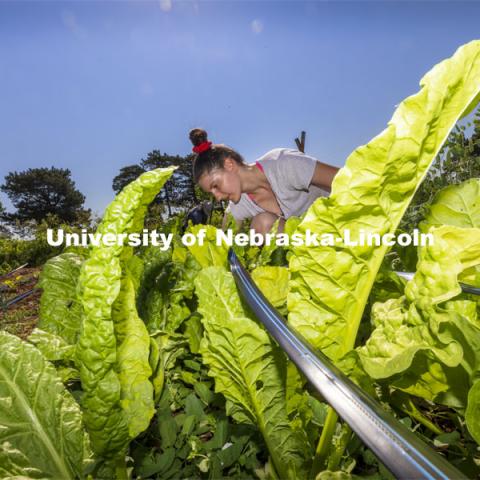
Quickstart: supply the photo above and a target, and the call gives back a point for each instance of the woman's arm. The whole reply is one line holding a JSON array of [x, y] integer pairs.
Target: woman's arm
[[323, 175]]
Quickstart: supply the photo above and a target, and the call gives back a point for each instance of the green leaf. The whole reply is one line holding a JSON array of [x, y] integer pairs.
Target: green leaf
[[154, 261], [41, 424], [273, 282], [167, 348], [14, 464], [188, 377], [399, 335], [446, 439], [229, 455], [219, 437], [155, 310], [330, 285], [133, 367], [209, 254], [177, 312], [249, 369], [472, 414], [189, 424], [193, 365], [158, 464], [53, 347], [194, 332], [193, 406], [436, 279], [68, 374], [300, 408], [162, 302], [428, 347], [327, 475], [100, 285], [60, 311], [168, 432], [457, 205], [203, 392]]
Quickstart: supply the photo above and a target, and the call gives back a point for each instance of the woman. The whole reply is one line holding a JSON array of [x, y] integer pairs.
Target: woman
[[280, 184]]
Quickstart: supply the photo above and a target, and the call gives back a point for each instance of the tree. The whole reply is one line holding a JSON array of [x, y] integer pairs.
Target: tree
[[179, 190], [3, 214], [179, 193], [38, 192]]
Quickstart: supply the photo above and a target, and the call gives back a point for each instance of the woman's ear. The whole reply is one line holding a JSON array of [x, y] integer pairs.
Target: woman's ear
[[229, 164]]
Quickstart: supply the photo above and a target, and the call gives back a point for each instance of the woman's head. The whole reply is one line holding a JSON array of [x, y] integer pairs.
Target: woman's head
[[215, 167]]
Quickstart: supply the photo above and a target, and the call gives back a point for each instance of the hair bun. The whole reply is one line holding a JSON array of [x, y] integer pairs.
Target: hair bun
[[198, 136]]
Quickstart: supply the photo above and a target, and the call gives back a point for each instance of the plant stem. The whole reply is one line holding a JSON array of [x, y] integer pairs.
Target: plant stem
[[339, 447], [411, 410], [324, 444], [121, 469], [271, 470]]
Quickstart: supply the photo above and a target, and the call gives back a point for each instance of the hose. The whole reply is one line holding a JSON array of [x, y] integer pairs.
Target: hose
[[402, 452]]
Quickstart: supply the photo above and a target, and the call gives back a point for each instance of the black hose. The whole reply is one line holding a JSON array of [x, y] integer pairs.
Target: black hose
[[19, 298], [5, 275]]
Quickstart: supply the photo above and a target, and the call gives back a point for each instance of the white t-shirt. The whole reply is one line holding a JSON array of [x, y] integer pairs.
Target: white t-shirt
[[289, 173]]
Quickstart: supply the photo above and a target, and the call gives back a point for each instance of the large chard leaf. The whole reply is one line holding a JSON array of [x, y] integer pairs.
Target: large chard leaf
[[14, 464], [273, 282], [436, 279], [427, 342], [249, 369], [41, 433], [165, 295], [97, 355], [154, 261], [60, 310], [457, 205], [133, 352], [399, 335], [329, 286]]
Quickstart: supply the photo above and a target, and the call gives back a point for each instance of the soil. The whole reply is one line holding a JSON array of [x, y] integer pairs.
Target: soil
[[21, 317]]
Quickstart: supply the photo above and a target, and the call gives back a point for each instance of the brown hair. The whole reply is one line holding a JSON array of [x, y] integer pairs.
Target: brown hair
[[212, 158]]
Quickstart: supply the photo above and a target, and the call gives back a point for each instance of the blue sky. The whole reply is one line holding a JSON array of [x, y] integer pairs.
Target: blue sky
[[95, 86]]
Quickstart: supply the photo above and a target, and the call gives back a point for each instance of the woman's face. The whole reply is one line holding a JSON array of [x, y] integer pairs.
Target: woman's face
[[223, 183]]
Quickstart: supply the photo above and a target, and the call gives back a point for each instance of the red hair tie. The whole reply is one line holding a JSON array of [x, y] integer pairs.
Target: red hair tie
[[202, 147]]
